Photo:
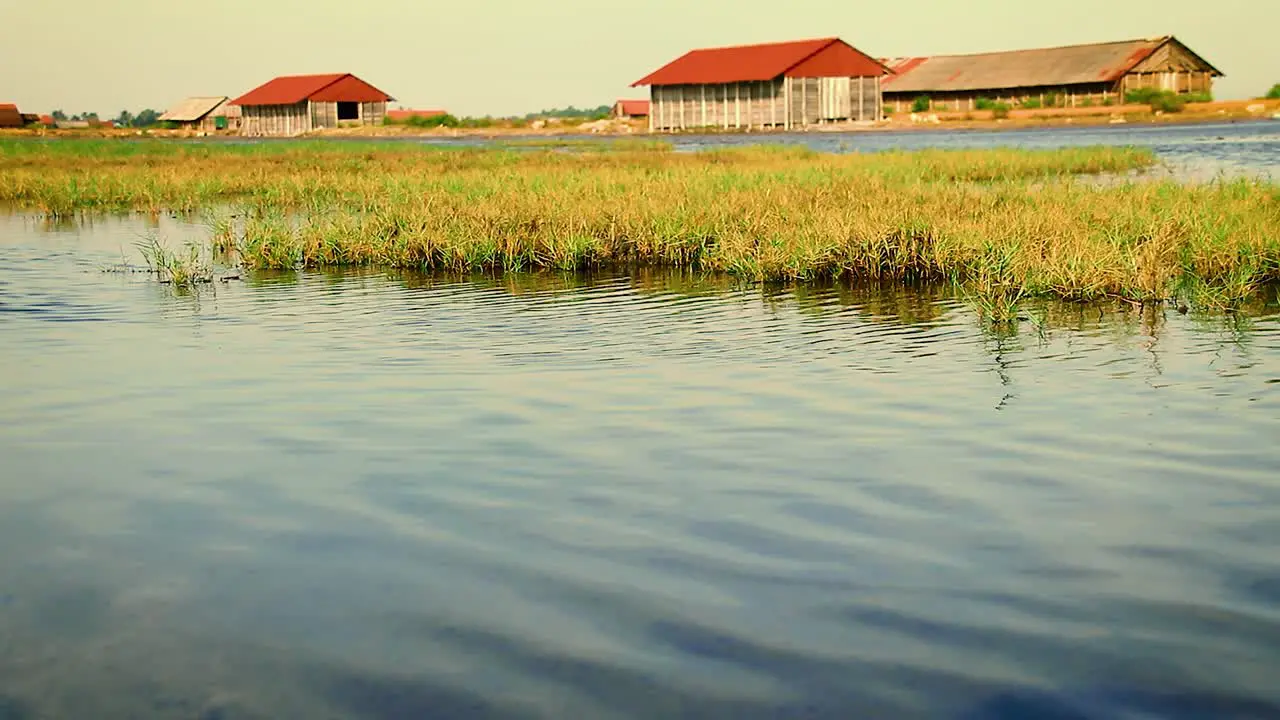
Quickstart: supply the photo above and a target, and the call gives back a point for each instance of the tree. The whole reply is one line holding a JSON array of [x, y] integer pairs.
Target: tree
[[125, 119], [146, 118], [1274, 93], [59, 115]]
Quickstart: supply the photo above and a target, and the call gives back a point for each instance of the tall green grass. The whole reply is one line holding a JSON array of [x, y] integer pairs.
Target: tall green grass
[[1004, 224]]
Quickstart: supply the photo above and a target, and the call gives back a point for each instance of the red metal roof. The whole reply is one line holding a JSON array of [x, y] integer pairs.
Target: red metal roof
[[293, 89], [406, 114], [10, 117], [633, 108], [746, 63]]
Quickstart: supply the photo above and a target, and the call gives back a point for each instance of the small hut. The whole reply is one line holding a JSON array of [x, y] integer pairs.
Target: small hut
[[781, 85], [298, 104], [627, 109], [204, 114]]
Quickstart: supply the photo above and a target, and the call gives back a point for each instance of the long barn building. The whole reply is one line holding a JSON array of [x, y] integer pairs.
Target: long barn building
[[778, 85], [298, 104], [1077, 74]]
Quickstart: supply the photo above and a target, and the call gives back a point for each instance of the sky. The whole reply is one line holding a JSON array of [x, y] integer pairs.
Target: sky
[[507, 57]]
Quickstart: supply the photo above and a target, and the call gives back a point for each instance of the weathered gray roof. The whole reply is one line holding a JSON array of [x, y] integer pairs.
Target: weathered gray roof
[[194, 108], [1042, 67]]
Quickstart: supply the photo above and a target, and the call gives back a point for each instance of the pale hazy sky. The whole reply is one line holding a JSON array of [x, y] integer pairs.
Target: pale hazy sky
[[514, 56]]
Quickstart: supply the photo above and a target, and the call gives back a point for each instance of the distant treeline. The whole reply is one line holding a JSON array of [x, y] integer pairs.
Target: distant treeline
[[146, 118]]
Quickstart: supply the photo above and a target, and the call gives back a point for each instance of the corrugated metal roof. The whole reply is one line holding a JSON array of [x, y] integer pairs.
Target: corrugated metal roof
[[193, 108], [292, 89], [746, 63], [406, 114], [633, 108], [1042, 67]]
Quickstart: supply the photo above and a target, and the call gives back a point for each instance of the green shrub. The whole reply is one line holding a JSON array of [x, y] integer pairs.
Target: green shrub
[[1159, 100], [1198, 97], [1087, 102], [1000, 110], [983, 103], [1031, 103], [1107, 101], [921, 104], [1168, 102], [1274, 92], [1054, 100], [1142, 96]]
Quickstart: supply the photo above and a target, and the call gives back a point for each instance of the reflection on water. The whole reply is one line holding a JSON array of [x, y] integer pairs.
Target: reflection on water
[[388, 495]]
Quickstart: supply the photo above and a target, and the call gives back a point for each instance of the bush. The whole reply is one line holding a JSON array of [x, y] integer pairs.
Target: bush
[[1054, 100], [1000, 110], [1031, 103], [1168, 103], [1107, 101], [1274, 92], [1142, 96], [1087, 102], [1160, 100], [921, 104], [1198, 97]]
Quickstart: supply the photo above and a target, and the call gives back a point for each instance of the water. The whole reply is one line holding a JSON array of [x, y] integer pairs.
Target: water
[[1199, 151], [372, 495]]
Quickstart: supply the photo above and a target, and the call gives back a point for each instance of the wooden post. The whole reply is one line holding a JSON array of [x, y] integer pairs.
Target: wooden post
[[702, 89], [786, 103], [861, 95], [773, 105], [804, 101], [737, 105]]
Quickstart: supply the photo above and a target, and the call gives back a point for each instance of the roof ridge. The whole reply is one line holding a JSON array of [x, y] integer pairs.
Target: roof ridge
[[766, 44], [1157, 39]]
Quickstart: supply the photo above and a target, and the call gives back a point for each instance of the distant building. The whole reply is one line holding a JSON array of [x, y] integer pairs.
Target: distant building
[[10, 117], [298, 104], [630, 109], [1076, 74], [781, 85], [204, 114], [404, 116]]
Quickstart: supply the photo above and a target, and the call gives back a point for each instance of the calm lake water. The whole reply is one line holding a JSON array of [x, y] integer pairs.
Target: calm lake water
[[373, 495], [1200, 152]]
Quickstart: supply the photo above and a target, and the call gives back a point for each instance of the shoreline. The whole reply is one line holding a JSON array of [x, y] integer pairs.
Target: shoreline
[[1232, 112]]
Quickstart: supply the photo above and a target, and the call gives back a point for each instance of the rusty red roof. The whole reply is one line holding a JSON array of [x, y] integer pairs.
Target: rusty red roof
[[293, 89], [1040, 67], [828, 57], [407, 114], [633, 108], [10, 117]]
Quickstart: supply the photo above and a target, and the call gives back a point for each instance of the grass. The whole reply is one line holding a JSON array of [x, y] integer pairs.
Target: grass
[[1003, 225], [185, 270]]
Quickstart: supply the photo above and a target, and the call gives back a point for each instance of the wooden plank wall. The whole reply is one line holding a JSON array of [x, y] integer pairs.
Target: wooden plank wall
[[725, 106], [275, 120], [373, 113], [781, 103]]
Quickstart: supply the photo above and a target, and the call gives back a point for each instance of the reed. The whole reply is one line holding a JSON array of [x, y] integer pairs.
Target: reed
[[1003, 224]]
